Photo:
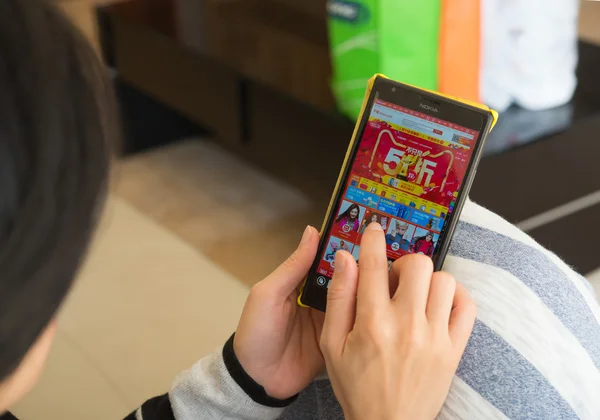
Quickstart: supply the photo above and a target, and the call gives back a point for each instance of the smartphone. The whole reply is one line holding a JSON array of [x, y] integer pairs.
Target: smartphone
[[409, 167]]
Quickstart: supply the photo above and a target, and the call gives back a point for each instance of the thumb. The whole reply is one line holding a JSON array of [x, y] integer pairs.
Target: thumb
[[286, 278], [341, 304]]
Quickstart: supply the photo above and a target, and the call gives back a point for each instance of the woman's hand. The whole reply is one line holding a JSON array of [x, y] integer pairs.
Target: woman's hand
[[393, 357], [277, 342]]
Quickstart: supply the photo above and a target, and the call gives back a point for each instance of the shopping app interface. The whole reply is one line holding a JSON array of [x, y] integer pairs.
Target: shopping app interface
[[406, 175]]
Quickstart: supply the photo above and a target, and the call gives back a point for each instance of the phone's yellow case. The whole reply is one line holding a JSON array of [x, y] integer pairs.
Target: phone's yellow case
[[351, 145]]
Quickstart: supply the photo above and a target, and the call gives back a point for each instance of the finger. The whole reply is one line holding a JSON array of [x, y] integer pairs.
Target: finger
[[318, 319], [440, 300], [462, 318], [395, 271], [373, 280], [415, 273], [341, 303], [286, 278], [393, 277]]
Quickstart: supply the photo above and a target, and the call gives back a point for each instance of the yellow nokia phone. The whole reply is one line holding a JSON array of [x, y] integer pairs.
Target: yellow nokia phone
[[409, 167]]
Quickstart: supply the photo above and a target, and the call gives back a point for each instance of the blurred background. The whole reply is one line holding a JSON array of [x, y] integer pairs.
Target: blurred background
[[237, 115]]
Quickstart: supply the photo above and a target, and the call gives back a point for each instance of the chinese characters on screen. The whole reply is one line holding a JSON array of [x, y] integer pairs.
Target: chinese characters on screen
[[406, 176]]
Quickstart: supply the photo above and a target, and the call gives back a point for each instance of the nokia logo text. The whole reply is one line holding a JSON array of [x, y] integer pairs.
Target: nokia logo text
[[429, 108]]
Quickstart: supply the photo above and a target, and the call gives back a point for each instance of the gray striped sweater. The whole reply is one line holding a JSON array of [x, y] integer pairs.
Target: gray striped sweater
[[534, 352]]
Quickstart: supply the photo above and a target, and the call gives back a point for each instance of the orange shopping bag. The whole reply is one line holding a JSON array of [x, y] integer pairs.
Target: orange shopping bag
[[460, 48]]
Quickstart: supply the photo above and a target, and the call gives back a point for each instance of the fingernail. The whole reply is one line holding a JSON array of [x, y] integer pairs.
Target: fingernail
[[306, 235], [340, 262], [374, 226]]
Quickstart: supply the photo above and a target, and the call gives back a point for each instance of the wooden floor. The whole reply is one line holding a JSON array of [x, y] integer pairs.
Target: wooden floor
[[242, 218]]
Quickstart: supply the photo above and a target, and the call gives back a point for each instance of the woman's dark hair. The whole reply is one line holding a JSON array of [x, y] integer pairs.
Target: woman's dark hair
[[346, 214], [56, 121], [378, 217]]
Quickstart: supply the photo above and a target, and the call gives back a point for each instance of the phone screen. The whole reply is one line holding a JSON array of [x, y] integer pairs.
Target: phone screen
[[406, 174]]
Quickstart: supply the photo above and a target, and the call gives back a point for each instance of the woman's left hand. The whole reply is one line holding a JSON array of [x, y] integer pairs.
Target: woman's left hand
[[277, 342]]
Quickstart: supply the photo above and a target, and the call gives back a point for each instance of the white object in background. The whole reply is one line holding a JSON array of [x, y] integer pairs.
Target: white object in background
[[529, 52], [495, 43]]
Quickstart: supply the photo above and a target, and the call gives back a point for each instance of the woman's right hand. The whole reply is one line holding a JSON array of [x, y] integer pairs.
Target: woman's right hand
[[393, 357]]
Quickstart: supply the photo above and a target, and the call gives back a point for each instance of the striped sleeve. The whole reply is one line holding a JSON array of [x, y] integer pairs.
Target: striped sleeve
[[535, 348], [217, 387]]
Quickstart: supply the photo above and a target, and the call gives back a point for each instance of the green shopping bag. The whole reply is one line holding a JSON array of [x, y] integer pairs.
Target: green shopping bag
[[399, 38]]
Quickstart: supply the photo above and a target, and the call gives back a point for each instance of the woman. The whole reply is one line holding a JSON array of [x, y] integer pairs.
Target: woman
[[375, 217], [424, 245], [348, 221], [57, 119]]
